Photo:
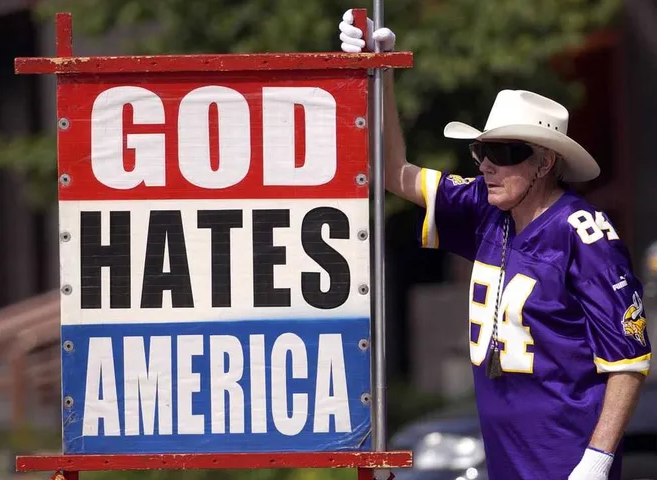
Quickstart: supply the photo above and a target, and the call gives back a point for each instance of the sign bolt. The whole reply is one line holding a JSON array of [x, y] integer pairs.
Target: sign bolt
[[365, 398], [65, 237], [361, 179], [67, 289], [362, 235], [63, 123], [360, 122], [65, 179], [68, 346], [68, 401], [363, 289], [363, 344]]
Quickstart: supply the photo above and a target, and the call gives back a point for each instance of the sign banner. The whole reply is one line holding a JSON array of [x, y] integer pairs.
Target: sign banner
[[215, 262]]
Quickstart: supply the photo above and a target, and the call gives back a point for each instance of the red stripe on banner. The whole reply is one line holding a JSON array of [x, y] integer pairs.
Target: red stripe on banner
[[88, 463], [213, 121], [128, 153], [300, 136], [76, 98]]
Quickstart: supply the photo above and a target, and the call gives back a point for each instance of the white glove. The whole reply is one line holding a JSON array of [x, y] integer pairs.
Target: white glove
[[594, 465], [352, 37]]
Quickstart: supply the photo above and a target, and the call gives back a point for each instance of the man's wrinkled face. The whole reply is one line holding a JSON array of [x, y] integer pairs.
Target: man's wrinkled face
[[508, 169], [507, 185]]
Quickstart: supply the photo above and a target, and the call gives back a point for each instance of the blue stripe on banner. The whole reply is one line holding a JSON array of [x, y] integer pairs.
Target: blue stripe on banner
[[216, 387]]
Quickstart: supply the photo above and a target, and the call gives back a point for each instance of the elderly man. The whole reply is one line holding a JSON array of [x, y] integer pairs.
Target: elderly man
[[558, 337]]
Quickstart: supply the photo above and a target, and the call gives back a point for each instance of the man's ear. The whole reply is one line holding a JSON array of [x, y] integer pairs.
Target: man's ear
[[548, 160]]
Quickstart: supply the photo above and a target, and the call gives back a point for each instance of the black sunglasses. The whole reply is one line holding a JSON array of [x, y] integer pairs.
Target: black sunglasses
[[500, 154]]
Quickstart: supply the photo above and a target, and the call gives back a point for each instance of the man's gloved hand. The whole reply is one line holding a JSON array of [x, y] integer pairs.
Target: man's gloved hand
[[594, 465], [352, 37]]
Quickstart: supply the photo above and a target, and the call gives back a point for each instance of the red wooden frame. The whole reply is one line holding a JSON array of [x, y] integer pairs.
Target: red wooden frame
[[213, 63], [67, 467], [66, 63], [64, 32], [88, 463]]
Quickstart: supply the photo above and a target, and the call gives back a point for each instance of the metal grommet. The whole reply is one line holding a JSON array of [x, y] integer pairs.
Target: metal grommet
[[67, 289], [360, 122], [361, 179], [363, 289], [362, 235], [68, 401], [65, 237], [65, 179], [63, 123], [68, 346], [363, 344], [365, 398]]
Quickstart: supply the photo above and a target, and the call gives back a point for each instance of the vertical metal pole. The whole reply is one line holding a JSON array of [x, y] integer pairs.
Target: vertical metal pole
[[379, 433]]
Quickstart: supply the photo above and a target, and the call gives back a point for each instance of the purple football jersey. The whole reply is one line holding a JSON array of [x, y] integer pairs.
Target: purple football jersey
[[570, 311]]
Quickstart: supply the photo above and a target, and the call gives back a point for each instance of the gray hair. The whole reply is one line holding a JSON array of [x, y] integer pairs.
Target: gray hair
[[559, 167], [559, 163]]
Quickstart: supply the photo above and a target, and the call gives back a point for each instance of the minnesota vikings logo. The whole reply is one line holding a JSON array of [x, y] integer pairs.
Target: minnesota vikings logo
[[459, 180], [634, 323]]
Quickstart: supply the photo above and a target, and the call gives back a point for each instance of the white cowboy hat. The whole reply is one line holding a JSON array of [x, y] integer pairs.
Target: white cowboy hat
[[527, 116]]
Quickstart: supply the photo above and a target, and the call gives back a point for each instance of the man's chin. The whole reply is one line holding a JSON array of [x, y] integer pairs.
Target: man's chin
[[499, 201]]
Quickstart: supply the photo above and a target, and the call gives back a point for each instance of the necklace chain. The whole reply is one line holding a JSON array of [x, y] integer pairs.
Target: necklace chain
[[505, 239], [494, 361]]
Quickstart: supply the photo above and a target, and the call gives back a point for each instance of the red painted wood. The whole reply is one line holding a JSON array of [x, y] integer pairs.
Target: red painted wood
[[87, 463], [213, 63], [360, 21], [64, 34], [76, 96], [365, 474], [69, 475], [368, 474]]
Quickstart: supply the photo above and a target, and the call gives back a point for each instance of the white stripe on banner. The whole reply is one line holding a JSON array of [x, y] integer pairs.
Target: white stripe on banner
[[161, 261]]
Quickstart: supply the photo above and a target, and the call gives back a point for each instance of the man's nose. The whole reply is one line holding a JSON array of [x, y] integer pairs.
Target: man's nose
[[487, 166]]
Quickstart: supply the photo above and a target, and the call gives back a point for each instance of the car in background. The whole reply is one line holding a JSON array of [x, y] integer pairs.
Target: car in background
[[447, 444]]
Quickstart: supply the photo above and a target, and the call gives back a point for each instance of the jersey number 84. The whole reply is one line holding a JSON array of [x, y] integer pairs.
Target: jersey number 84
[[514, 336]]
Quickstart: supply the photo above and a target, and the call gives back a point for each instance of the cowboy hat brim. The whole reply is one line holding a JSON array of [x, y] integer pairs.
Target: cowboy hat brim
[[580, 166]]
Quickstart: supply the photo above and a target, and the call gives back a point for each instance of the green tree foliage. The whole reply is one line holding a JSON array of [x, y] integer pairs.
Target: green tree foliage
[[34, 159], [465, 50]]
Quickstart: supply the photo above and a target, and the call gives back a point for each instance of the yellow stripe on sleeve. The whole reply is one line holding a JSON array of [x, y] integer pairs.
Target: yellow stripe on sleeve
[[639, 364], [430, 179]]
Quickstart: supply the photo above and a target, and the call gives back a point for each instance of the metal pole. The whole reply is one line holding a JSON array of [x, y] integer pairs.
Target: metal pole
[[379, 433]]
